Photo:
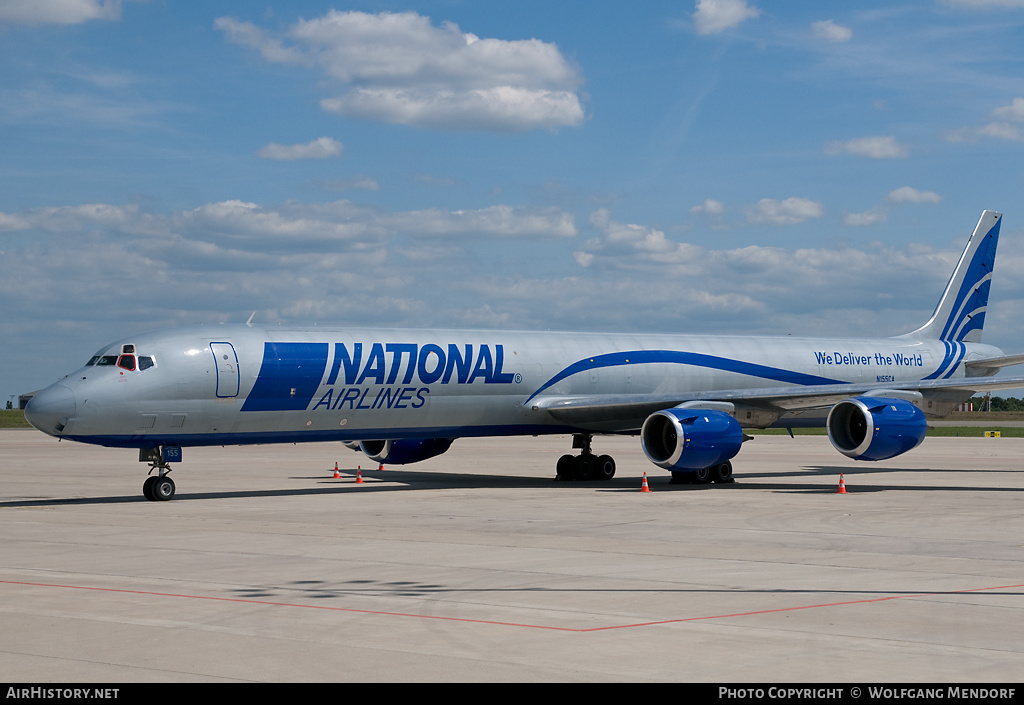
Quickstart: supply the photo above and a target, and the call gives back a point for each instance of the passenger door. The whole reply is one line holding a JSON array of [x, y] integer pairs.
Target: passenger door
[[227, 369]]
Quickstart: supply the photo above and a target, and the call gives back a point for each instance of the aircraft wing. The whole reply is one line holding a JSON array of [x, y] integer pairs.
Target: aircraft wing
[[771, 402]]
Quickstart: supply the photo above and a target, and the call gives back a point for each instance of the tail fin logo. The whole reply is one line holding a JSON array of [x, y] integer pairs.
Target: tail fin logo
[[960, 314]]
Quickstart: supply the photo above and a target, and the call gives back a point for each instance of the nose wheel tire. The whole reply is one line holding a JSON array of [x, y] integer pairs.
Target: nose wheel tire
[[147, 488], [158, 489]]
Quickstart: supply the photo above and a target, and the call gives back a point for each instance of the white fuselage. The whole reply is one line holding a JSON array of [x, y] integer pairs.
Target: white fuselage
[[226, 385]]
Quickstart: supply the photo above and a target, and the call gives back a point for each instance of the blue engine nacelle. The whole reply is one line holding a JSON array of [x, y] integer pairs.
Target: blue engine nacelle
[[875, 428], [406, 450], [690, 439]]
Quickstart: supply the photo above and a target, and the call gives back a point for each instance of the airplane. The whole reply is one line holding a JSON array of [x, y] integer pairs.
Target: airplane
[[404, 395]]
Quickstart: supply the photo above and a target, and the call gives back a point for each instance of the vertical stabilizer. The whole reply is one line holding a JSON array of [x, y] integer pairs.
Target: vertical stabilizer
[[960, 315]]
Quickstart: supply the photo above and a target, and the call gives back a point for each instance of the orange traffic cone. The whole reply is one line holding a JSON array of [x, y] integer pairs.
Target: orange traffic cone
[[359, 477], [336, 473], [842, 485], [381, 467], [644, 487]]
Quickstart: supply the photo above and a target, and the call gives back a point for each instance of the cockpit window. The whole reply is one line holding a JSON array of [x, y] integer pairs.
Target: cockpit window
[[125, 361]]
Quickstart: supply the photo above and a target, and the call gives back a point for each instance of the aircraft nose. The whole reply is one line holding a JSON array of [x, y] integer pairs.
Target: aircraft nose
[[51, 409]]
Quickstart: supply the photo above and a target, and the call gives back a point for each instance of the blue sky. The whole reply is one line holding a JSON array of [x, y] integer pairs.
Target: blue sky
[[721, 166]]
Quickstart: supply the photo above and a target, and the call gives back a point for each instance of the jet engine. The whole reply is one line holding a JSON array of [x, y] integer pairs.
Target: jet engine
[[684, 440], [875, 428], [406, 450]]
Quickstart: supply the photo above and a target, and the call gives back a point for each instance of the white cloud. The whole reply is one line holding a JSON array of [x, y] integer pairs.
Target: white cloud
[[494, 221], [1002, 129], [271, 48], [58, 11], [883, 147], [831, 32], [998, 130], [878, 215], [242, 224], [787, 212], [710, 206], [636, 269], [502, 109], [317, 149], [1014, 111], [400, 68], [633, 246], [875, 216], [908, 194], [714, 16]]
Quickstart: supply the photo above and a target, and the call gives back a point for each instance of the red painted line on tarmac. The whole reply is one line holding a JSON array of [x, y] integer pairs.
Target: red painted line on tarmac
[[804, 607], [512, 624]]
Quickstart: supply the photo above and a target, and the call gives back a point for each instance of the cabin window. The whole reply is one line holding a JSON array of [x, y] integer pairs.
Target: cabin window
[[127, 362]]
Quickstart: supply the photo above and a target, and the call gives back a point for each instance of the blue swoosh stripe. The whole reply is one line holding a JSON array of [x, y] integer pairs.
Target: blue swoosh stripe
[[978, 300], [641, 357], [959, 357], [945, 361]]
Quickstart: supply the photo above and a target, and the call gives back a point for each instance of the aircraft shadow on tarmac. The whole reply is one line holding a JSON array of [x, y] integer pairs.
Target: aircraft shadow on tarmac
[[322, 590], [854, 484], [422, 480]]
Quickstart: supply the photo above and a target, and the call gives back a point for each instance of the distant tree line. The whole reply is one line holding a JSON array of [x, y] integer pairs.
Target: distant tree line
[[998, 404]]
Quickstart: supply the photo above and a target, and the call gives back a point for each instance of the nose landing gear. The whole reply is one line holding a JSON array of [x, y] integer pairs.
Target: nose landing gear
[[159, 487]]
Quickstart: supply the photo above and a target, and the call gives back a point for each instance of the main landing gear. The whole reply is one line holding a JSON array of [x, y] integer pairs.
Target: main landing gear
[[721, 473], [586, 465], [159, 487]]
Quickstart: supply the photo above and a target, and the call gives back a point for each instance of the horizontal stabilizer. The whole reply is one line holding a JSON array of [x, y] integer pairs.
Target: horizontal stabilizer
[[989, 365]]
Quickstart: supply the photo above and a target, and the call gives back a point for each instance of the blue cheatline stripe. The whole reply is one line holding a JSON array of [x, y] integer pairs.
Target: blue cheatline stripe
[[641, 357], [288, 378], [981, 266]]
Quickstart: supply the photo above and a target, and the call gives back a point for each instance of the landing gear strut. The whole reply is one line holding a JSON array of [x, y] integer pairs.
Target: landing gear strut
[[159, 487], [586, 465]]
